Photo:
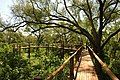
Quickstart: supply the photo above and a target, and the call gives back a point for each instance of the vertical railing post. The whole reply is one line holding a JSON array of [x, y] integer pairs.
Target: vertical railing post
[[29, 51], [19, 50], [78, 54], [62, 51], [47, 48], [13, 48], [71, 67]]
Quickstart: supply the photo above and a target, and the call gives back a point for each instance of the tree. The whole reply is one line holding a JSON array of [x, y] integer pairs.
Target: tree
[[38, 34], [30, 39], [67, 14], [71, 15]]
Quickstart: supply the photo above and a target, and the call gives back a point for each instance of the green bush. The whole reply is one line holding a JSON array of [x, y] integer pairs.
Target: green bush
[[116, 66], [15, 67]]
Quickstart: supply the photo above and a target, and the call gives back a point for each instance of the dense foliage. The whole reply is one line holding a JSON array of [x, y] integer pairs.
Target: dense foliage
[[14, 66], [58, 23]]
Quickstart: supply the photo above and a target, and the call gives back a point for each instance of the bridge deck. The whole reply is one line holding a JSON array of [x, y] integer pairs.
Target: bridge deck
[[86, 70]]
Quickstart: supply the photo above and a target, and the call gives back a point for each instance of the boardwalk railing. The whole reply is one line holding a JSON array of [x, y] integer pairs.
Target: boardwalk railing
[[104, 66], [77, 56], [71, 59], [18, 48]]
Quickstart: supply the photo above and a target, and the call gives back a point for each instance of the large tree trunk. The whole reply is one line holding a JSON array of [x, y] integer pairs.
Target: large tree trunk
[[99, 52]]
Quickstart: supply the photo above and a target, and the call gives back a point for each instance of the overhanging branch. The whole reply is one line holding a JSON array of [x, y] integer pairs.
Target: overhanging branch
[[90, 18], [17, 25], [57, 26], [109, 16], [69, 12], [106, 41]]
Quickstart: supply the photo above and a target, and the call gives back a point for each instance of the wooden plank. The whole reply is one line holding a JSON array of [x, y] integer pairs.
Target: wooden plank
[[86, 70], [72, 68]]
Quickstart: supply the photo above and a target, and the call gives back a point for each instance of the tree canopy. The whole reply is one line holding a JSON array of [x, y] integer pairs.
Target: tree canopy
[[61, 23], [87, 17]]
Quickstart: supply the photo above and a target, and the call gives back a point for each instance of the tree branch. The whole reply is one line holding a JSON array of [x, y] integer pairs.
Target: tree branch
[[94, 33], [110, 36], [110, 4], [100, 1], [33, 10], [104, 2], [18, 25], [109, 16], [63, 19], [69, 12], [90, 18], [82, 10]]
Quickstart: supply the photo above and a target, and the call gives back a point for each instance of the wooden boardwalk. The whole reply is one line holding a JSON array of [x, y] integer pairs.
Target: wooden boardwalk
[[86, 70]]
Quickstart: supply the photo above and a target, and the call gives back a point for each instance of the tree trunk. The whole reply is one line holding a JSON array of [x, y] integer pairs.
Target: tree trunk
[[98, 66]]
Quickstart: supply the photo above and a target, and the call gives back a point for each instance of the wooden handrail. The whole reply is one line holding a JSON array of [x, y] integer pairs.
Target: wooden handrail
[[48, 47], [63, 65], [104, 66]]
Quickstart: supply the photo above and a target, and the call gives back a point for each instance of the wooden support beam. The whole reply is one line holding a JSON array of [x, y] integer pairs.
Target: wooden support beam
[[72, 68], [19, 50], [13, 48]]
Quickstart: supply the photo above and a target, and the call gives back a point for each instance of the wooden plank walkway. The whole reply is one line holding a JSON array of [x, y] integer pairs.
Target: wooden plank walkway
[[86, 70]]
